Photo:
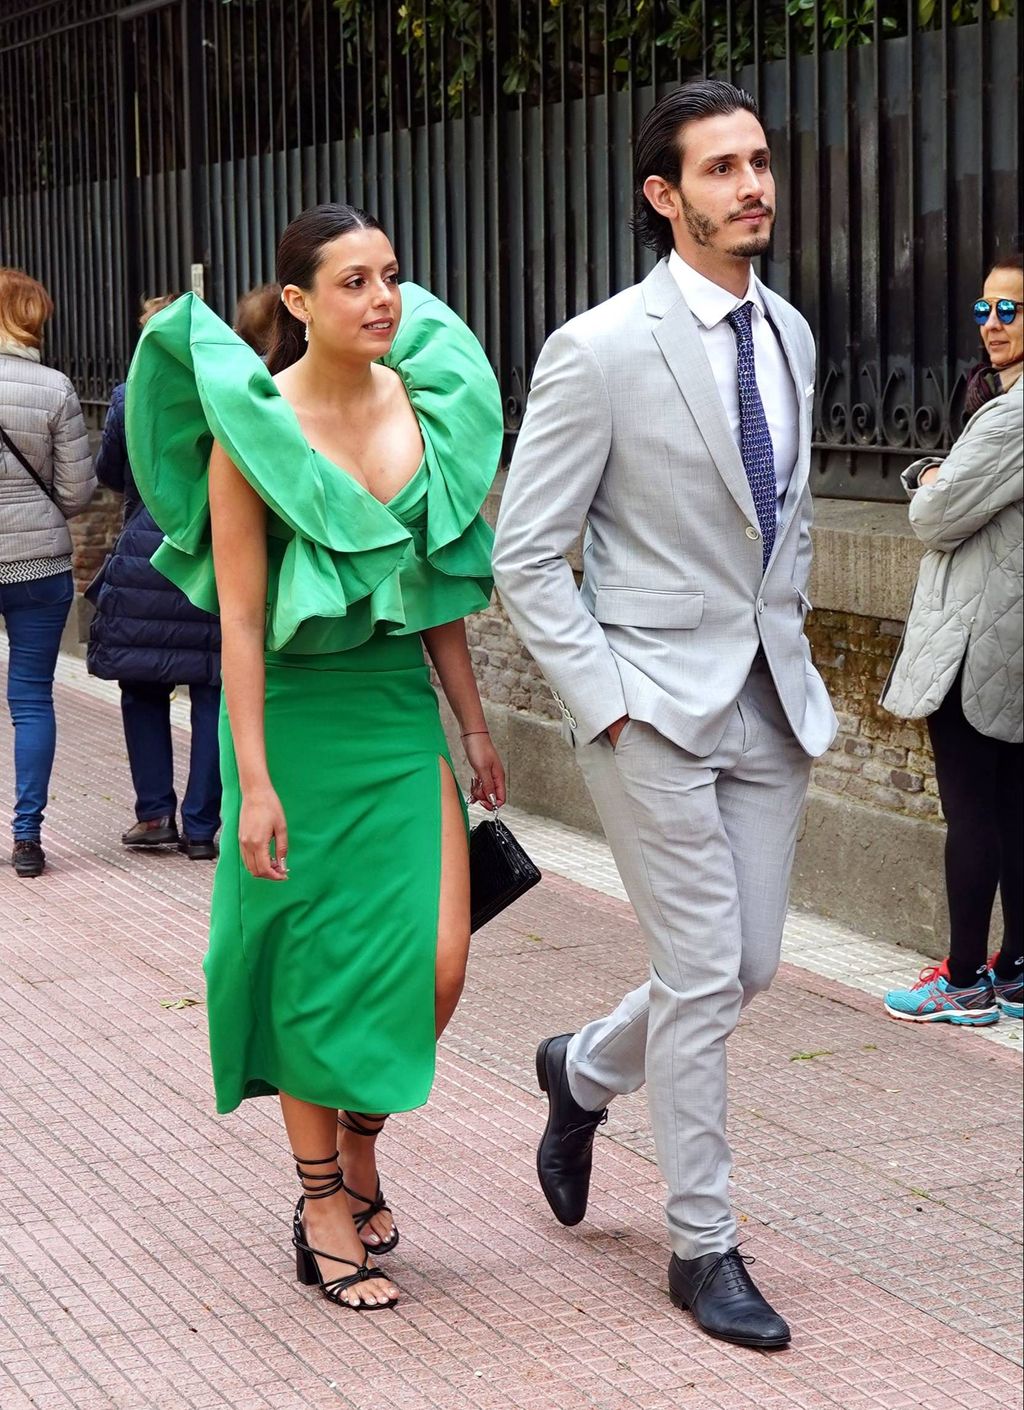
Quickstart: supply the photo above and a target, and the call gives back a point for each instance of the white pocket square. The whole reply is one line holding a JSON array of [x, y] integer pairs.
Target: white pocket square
[[809, 391]]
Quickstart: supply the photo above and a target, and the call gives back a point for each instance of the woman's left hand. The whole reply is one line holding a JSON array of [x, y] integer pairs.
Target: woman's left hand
[[488, 772]]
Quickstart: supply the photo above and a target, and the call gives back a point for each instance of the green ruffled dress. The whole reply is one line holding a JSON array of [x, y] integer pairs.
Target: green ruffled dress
[[323, 986]]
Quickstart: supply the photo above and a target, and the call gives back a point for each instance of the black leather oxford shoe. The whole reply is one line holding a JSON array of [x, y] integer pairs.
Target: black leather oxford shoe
[[724, 1300], [566, 1151]]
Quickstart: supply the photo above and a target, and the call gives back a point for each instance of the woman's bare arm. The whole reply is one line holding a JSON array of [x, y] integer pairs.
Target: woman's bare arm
[[448, 649], [238, 523]]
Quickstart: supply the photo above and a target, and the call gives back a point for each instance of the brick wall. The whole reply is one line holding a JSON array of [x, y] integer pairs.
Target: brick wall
[[92, 533], [876, 759], [505, 671]]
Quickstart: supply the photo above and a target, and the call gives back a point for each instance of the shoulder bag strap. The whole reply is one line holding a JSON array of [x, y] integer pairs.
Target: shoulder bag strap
[[9, 444]]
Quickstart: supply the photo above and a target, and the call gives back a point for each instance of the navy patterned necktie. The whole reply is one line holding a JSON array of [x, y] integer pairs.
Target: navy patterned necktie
[[755, 438]]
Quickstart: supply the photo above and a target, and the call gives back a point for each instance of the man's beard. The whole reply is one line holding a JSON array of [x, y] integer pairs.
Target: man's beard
[[703, 230]]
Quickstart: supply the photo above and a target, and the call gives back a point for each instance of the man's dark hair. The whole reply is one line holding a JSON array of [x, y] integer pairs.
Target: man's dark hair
[[659, 147]]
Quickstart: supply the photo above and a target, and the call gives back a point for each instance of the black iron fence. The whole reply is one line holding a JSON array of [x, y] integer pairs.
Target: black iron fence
[[163, 145]]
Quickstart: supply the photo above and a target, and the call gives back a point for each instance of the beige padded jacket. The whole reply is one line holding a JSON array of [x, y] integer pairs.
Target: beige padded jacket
[[39, 410], [967, 605]]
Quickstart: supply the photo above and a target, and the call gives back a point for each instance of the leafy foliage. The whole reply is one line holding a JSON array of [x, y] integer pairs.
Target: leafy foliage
[[551, 49]]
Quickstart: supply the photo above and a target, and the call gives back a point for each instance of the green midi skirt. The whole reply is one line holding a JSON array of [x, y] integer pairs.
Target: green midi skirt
[[322, 986]]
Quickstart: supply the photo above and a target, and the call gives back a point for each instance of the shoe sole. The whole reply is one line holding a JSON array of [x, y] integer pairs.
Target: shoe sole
[[29, 875], [756, 1343], [149, 846], [1011, 1010], [978, 1019]]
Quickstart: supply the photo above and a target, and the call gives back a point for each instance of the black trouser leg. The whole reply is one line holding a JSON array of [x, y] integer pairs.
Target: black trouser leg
[[971, 770], [1011, 810]]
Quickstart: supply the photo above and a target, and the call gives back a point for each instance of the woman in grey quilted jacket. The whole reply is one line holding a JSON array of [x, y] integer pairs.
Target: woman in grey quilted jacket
[[960, 666], [46, 477]]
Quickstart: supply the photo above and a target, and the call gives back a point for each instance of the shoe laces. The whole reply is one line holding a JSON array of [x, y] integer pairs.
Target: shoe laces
[[930, 973], [590, 1126], [732, 1265]]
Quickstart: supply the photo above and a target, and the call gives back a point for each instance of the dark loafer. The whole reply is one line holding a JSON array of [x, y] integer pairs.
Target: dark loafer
[[725, 1301], [154, 832], [198, 849], [565, 1155], [28, 859]]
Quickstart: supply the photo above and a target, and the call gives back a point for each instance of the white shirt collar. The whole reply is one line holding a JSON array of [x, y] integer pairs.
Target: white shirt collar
[[709, 303]]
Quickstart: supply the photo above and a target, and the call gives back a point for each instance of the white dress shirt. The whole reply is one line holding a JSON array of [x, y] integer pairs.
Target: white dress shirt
[[710, 305]]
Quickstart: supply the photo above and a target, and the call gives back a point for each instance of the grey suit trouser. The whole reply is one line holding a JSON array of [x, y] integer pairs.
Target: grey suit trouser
[[705, 850]]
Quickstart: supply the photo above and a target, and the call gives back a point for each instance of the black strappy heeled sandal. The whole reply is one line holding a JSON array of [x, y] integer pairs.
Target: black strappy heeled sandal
[[353, 1121], [307, 1270]]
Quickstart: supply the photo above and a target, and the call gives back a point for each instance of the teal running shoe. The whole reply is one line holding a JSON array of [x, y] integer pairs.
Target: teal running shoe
[[934, 1000], [1009, 994]]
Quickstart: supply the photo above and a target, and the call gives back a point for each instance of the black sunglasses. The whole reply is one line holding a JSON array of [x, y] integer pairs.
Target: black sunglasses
[[1006, 310]]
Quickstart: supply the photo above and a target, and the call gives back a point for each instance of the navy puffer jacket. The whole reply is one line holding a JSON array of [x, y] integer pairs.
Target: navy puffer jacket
[[144, 629]]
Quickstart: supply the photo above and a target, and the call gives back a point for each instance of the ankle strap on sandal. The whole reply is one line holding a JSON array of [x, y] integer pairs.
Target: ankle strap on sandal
[[329, 1183], [355, 1121]]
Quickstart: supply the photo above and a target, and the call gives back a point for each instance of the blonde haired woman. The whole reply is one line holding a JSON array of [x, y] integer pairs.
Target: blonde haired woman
[[46, 478]]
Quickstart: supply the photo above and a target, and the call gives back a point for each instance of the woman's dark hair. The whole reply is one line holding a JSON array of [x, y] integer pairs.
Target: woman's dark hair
[[659, 147], [1014, 261], [299, 254]]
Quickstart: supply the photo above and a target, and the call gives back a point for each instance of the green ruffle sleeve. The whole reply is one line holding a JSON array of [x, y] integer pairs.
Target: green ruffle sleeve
[[341, 565]]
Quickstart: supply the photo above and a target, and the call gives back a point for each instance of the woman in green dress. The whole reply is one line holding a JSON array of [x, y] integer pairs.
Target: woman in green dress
[[327, 504]]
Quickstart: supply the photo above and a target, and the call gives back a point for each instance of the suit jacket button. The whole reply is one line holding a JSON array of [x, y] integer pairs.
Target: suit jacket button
[[760, 604], [751, 532]]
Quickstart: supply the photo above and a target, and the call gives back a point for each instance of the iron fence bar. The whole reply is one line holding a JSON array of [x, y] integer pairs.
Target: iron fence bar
[[441, 132], [912, 262], [842, 272], [872, 177], [498, 242], [949, 203], [984, 135], [615, 234]]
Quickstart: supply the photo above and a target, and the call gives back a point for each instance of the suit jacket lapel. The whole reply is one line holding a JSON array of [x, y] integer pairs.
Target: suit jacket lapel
[[676, 334]]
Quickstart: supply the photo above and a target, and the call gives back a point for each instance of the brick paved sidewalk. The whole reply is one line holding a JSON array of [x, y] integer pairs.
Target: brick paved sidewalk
[[144, 1242]]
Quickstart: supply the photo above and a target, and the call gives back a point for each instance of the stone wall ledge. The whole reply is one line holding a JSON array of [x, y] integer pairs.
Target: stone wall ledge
[[865, 559]]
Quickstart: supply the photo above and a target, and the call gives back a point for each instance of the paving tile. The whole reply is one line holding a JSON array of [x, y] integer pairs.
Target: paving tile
[[144, 1241]]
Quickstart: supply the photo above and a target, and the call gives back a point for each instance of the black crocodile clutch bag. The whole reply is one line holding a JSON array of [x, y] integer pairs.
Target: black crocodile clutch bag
[[499, 871]]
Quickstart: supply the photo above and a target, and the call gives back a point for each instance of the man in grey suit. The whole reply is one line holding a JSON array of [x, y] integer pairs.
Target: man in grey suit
[[675, 420]]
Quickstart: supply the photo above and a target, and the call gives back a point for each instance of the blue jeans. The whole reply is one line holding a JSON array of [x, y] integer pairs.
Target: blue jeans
[[146, 712], [34, 614]]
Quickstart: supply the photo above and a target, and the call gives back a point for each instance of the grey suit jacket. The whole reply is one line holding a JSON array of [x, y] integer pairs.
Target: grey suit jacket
[[625, 429]]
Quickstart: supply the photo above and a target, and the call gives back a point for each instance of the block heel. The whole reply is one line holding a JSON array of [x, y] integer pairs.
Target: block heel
[[305, 1269]]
